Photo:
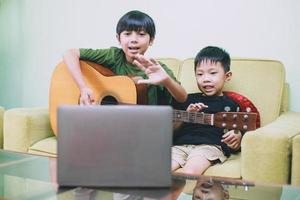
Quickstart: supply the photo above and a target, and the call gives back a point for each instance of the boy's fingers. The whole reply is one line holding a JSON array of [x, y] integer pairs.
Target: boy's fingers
[[231, 140], [228, 139], [226, 134], [142, 59], [143, 81], [139, 65], [154, 61]]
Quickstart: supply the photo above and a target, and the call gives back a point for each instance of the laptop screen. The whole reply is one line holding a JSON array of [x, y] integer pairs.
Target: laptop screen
[[123, 146]]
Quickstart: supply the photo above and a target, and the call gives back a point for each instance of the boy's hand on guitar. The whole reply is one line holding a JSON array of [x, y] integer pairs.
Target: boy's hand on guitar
[[86, 96], [156, 74], [196, 107], [233, 139]]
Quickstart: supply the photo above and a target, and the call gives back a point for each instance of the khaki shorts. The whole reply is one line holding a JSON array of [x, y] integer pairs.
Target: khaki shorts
[[181, 154]]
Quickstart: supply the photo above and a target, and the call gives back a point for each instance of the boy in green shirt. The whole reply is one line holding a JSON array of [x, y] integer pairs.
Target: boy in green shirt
[[135, 33]]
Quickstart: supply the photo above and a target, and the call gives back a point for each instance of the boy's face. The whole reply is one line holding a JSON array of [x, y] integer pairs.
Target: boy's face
[[206, 190], [134, 42], [211, 77]]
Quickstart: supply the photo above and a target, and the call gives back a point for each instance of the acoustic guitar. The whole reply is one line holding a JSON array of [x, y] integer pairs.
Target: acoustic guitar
[[122, 89]]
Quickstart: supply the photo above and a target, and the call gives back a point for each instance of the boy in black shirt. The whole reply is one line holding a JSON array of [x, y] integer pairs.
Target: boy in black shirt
[[197, 147]]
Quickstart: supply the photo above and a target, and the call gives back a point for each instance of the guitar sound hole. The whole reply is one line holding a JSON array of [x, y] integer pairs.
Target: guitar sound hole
[[109, 100]]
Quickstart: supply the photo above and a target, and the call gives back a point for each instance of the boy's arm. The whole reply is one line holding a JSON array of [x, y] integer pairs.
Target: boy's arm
[[71, 58], [176, 90]]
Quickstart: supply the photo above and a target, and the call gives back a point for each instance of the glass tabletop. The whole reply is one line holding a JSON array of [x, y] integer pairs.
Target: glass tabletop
[[25, 176]]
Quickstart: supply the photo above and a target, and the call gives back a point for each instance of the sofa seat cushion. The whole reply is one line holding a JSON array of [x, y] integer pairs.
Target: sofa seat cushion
[[45, 147], [230, 168]]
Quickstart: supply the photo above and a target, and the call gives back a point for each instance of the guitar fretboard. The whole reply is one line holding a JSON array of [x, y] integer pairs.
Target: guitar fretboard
[[193, 117]]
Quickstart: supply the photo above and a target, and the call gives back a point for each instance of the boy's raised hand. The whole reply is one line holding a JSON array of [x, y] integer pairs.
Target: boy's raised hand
[[232, 139], [156, 74]]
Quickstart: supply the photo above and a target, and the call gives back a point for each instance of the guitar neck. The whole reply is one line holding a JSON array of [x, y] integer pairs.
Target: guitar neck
[[228, 120], [193, 117]]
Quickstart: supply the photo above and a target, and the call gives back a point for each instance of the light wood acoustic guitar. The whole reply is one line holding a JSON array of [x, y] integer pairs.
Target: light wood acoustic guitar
[[121, 89]]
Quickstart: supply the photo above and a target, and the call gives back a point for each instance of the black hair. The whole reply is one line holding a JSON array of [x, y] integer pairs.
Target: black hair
[[136, 21], [213, 54]]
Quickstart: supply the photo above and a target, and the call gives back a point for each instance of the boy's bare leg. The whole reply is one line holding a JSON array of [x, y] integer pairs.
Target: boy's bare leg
[[195, 165], [175, 165]]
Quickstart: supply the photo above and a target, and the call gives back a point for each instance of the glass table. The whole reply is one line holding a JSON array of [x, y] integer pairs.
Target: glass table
[[25, 176]]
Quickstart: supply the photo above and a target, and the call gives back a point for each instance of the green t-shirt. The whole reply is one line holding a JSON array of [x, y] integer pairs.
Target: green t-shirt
[[115, 60]]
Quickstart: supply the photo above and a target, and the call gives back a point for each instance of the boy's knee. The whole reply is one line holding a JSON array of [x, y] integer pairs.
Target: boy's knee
[[192, 170]]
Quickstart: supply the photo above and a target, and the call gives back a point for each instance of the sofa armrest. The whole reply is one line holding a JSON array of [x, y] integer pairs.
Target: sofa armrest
[[24, 127], [295, 175], [266, 151]]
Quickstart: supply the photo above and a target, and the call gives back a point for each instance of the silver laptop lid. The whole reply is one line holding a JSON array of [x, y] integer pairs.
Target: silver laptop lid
[[114, 146]]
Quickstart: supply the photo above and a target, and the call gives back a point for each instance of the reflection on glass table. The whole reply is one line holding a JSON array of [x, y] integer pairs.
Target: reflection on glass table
[[24, 176]]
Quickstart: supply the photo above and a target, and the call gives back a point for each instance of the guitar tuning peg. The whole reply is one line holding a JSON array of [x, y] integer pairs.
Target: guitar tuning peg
[[227, 108], [224, 125], [234, 126], [245, 127], [248, 109]]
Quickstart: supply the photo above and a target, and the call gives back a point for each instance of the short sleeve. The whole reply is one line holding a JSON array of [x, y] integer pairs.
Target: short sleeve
[[105, 57]]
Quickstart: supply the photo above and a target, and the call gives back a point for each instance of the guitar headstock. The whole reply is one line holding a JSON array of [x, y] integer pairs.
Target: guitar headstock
[[244, 121]]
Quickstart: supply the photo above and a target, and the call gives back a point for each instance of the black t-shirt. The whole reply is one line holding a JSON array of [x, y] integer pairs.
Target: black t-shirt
[[196, 134]]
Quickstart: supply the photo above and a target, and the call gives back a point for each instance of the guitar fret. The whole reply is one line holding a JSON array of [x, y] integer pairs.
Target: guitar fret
[[200, 118], [192, 117], [208, 119]]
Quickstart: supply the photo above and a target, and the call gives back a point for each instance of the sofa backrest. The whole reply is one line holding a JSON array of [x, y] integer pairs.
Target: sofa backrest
[[173, 63], [262, 81]]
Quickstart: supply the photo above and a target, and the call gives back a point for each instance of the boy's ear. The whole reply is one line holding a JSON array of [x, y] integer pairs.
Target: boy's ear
[[228, 76], [118, 38], [151, 41]]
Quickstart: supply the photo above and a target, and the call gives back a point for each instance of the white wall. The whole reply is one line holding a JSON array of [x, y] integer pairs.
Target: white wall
[[35, 33]]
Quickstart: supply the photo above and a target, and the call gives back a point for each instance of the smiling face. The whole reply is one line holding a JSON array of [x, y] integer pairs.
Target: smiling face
[[211, 77], [206, 190], [134, 42]]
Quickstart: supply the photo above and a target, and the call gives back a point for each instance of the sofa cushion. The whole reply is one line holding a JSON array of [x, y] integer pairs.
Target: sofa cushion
[[46, 147], [25, 126], [230, 168]]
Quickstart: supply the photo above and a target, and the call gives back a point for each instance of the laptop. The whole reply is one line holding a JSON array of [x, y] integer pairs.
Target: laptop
[[114, 146]]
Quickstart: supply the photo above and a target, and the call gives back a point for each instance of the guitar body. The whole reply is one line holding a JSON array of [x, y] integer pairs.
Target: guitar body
[[63, 89]]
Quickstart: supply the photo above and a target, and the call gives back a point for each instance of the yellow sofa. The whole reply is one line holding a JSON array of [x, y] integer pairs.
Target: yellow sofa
[[295, 173], [266, 152]]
